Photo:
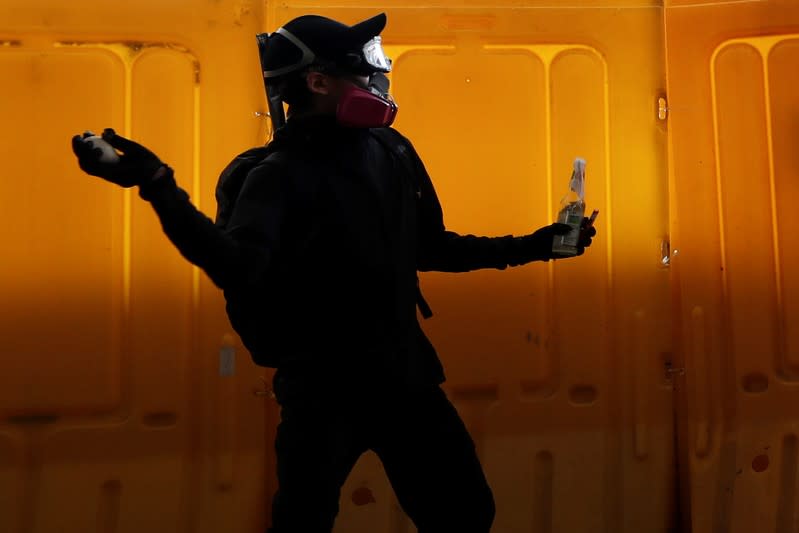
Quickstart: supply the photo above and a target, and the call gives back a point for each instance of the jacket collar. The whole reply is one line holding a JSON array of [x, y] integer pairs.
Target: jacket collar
[[312, 129]]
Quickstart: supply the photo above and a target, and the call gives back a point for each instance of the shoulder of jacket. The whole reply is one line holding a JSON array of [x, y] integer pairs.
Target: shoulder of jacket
[[273, 151], [257, 153], [393, 138], [254, 158], [388, 133]]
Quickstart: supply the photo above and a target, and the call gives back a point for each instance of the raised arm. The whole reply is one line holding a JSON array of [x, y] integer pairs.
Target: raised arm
[[232, 258]]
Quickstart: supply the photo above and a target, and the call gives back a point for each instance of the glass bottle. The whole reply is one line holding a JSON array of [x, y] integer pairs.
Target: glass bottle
[[572, 211]]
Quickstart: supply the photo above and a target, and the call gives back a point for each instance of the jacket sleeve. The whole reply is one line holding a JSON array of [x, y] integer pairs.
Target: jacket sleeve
[[237, 256], [447, 251]]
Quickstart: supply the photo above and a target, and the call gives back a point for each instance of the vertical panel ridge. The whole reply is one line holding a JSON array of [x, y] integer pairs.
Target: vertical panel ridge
[[543, 478], [108, 507], [786, 503]]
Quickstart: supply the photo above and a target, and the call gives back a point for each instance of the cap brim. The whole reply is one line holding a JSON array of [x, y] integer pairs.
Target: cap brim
[[365, 30]]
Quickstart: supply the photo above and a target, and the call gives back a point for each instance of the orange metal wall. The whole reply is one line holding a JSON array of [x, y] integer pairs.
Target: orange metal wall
[[126, 402], [732, 71], [115, 415]]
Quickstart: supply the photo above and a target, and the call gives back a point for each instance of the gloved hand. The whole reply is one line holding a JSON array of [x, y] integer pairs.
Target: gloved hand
[[136, 166], [538, 245]]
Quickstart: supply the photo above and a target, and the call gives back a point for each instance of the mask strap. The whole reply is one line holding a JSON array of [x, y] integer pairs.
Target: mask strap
[[307, 55]]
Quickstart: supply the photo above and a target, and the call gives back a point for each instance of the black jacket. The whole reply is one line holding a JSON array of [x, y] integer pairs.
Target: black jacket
[[319, 259]]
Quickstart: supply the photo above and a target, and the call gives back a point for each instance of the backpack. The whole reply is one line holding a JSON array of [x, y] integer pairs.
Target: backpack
[[384, 137], [231, 180]]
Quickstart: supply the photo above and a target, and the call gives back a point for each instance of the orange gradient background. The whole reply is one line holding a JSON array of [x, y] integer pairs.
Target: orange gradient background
[[651, 385]]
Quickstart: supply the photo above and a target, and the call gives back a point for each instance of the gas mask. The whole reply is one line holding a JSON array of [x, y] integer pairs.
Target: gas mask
[[372, 107]]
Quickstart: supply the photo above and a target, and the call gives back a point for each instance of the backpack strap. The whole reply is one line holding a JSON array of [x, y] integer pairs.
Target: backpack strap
[[394, 142], [421, 303], [388, 139]]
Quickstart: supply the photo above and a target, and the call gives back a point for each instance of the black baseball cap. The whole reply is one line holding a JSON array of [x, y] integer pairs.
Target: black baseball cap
[[326, 39]]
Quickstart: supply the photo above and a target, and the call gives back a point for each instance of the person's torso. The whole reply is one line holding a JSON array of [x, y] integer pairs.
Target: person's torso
[[345, 276]]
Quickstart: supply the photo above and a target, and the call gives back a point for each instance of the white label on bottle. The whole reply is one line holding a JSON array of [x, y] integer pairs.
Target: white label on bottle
[[571, 238]]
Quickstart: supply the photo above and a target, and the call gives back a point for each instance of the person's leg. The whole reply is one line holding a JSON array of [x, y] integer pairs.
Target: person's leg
[[317, 445], [432, 465]]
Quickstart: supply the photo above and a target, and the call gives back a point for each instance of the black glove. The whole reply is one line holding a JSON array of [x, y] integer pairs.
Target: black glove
[[136, 166], [537, 246]]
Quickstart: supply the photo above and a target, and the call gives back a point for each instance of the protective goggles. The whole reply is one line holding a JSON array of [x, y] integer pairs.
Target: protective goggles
[[374, 55]]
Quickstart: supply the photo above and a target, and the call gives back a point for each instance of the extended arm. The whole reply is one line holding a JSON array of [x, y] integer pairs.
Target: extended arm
[[236, 257], [444, 250]]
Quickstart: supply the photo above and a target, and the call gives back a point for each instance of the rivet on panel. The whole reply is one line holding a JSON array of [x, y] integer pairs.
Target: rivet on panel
[[363, 496], [582, 394], [755, 383], [533, 338], [134, 46], [665, 252], [760, 463], [663, 108]]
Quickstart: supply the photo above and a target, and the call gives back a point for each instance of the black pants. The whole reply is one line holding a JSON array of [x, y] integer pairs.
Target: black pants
[[424, 446]]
